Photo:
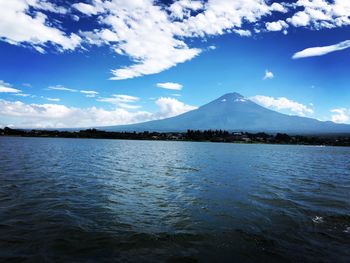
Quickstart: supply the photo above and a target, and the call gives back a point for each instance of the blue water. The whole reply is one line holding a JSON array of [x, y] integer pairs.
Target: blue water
[[112, 200]]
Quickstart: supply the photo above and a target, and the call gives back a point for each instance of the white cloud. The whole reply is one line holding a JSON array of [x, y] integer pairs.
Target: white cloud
[[156, 36], [89, 93], [122, 101], [121, 98], [47, 6], [141, 30], [182, 9], [19, 26], [276, 26], [320, 51], [222, 16], [128, 106], [169, 107], [58, 116], [268, 75], [7, 88], [299, 19], [53, 99], [153, 36], [88, 9], [24, 115], [282, 103], [242, 32], [341, 115], [170, 85], [60, 87], [22, 94], [318, 14], [277, 7]]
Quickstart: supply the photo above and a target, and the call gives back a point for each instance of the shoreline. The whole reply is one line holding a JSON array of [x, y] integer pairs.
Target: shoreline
[[211, 136]]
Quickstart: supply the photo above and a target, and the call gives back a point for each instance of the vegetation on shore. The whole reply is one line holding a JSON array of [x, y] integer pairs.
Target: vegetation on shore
[[190, 135]]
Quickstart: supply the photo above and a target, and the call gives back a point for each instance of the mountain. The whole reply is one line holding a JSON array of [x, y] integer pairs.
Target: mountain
[[233, 112]]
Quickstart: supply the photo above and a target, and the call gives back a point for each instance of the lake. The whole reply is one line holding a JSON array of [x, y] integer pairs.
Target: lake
[[87, 200]]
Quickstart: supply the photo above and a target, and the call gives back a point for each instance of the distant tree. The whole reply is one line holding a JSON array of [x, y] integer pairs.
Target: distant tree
[[282, 137]]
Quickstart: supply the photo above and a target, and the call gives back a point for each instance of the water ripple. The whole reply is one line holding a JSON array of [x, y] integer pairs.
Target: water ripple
[[131, 201]]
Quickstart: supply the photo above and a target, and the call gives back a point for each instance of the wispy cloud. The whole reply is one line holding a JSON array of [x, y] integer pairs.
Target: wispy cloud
[[118, 98], [89, 93], [122, 101], [128, 106], [268, 75], [170, 85], [7, 88], [282, 103], [22, 95], [62, 88], [53, 99], [320, 51]]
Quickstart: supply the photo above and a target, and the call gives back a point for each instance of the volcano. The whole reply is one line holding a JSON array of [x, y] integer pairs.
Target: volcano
[[233, 112]]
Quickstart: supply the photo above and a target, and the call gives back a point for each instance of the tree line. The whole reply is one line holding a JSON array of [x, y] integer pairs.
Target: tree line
[[189, 135]]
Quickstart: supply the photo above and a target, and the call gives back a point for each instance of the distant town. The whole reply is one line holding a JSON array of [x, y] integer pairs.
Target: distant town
[[190, 135]]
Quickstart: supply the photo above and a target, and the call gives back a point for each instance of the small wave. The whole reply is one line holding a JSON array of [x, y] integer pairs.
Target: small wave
[[317, 219], [186, 169]]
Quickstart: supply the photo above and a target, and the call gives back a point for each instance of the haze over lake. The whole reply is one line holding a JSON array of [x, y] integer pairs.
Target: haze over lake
[[112, 200]]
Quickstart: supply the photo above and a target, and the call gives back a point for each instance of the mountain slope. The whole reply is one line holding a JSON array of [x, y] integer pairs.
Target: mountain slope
[[235, 113]]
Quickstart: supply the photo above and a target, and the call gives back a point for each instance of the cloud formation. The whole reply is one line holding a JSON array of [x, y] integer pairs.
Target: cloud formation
[[282, 103], [122, 101], [318, 14], [7, 88], [169, 107], [60, 87], [341, 115], [20, 26], [25, 115], [320, 51], [170, 85], [53, 99], [87, 93], [276, 25], [268, 75], [157, 36]]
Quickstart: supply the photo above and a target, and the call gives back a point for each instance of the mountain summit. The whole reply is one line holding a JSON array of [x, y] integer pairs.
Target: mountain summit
[[234, 112]]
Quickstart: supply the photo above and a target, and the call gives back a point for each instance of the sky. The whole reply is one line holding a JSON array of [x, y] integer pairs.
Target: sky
[[83, 63]]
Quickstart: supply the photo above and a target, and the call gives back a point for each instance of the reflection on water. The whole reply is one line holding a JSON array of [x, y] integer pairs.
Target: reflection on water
[[83, 200]]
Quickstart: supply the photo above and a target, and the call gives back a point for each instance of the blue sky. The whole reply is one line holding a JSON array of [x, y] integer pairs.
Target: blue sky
[[106, 62]]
